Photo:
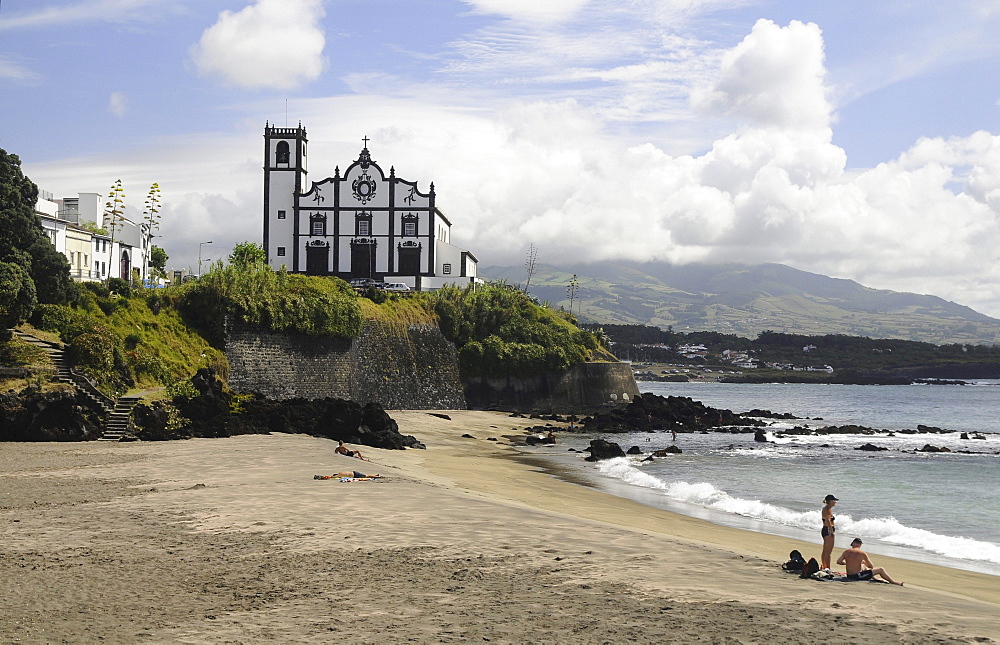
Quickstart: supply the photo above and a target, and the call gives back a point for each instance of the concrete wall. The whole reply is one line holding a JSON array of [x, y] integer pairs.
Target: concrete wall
[[399, 367]]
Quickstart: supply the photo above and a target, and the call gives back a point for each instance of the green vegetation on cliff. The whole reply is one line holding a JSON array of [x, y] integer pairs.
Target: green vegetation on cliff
[[128, 339], [500, 331], [249, 291]]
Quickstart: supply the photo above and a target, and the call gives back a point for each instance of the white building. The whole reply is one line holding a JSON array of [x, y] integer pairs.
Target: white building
[[92, 256], [363, 224]]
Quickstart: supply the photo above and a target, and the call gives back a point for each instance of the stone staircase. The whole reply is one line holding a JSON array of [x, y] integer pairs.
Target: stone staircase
[[118, 425], [117, 412]]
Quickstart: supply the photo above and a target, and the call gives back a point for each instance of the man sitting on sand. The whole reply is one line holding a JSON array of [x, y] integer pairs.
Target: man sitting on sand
[[859, 567], [342, 450]]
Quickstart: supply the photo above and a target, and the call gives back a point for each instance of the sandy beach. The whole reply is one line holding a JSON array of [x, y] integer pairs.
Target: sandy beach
[[234, 541]]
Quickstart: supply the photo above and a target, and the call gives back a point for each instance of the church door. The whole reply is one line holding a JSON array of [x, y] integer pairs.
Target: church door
[[409, 259], [362, 258], [317, 259], [125, 266]]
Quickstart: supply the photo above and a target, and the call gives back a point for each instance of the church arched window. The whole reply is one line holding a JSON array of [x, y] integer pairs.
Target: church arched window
[[281, 153]]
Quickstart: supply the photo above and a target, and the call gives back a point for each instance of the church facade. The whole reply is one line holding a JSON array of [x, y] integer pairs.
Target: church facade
[[362, 224]]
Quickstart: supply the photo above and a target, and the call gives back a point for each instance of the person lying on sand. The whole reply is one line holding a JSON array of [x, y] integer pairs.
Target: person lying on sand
[[859, 567], [348, 474], [342, 450]]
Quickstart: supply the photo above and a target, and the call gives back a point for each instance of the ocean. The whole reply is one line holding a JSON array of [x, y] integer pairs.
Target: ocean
[[939, 508]]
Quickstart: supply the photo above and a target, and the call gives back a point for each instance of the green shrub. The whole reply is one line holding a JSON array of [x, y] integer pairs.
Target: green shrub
[[54, 318], [120, 286], [272, 300], [500, 331]]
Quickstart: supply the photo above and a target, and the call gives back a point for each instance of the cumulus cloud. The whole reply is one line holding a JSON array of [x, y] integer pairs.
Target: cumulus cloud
[[775, 77], [117, 104], [549, 172], [268, 44]]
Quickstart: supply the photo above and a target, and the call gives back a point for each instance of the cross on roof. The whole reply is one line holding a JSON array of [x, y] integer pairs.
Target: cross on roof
[[365, 139]]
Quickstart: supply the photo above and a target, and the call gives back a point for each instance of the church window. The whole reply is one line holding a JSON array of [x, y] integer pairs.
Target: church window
[[317, 224], [281, 214], [281, 152], [281, 251], [363, 224], [446, 269], [409, 229]]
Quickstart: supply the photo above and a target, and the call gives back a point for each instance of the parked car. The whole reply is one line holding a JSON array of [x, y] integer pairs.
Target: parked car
[[364, 283], [395, 286]]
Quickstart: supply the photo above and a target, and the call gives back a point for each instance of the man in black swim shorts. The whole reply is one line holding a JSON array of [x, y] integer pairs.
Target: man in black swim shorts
[[859, 567]]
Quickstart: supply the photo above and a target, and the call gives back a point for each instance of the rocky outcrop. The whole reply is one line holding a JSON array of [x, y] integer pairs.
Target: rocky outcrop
[[56, 415], [653, 413], [600, 450], [209, 414]]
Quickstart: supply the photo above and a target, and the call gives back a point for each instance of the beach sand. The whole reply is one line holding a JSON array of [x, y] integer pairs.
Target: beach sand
[[233, 541]]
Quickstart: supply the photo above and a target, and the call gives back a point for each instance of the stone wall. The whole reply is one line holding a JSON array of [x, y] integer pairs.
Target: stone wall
[[399, 367], [583, 386]]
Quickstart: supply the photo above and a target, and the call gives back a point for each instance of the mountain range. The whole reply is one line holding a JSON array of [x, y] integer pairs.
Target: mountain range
[[746, 300]]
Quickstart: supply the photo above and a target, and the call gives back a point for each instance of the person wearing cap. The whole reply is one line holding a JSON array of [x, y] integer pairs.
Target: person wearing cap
[[828, 531], [859, 567]]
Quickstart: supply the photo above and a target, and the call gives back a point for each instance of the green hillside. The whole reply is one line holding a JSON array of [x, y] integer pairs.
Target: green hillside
[[747, 300]]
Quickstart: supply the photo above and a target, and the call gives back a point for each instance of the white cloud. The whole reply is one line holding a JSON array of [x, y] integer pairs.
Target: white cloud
[[268, 44], [775, 77], [14, 71], [554, 173], [530, 10], [88, 11], [118, 104]]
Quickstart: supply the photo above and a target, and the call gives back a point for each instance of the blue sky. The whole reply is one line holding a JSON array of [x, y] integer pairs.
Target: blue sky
[[854, 139]]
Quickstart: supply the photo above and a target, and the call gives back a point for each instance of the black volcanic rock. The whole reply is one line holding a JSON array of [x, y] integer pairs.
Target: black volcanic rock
[[56, 415], [652, 413], [600, 450]]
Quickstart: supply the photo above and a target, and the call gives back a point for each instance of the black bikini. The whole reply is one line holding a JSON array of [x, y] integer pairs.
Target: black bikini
[[829, 530]]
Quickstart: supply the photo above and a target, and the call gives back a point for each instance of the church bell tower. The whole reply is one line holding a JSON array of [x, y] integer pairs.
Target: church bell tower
[[284, 176]]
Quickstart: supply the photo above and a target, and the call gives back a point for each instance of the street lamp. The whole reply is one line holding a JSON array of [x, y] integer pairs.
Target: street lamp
[[200, 244]]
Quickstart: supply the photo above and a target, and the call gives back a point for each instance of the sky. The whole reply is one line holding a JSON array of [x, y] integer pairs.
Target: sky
[[855, 139]]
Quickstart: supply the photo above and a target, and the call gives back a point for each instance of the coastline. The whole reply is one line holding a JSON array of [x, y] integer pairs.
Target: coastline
[[222, 540]]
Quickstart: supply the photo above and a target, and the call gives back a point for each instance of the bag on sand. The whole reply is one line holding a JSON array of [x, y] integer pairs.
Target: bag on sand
[[811, 567], [795, 562]]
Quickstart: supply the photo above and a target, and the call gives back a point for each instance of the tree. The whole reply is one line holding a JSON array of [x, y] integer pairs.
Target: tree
[[248, 256], [114, 216], [571, 290], [24, 241], [158, 261], [151, 212], [17, 295], [529, 264]]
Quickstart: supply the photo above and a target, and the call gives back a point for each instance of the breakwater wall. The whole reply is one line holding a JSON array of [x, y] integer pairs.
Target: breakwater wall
[[582, 387]]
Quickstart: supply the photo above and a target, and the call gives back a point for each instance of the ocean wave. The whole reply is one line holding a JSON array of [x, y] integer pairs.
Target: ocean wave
[[887, 529]]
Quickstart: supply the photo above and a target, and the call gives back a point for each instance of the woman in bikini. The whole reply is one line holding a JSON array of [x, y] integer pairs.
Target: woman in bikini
[[828, 531]]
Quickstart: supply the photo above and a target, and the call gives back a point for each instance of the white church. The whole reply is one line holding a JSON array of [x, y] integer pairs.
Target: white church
[[363, 224]]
